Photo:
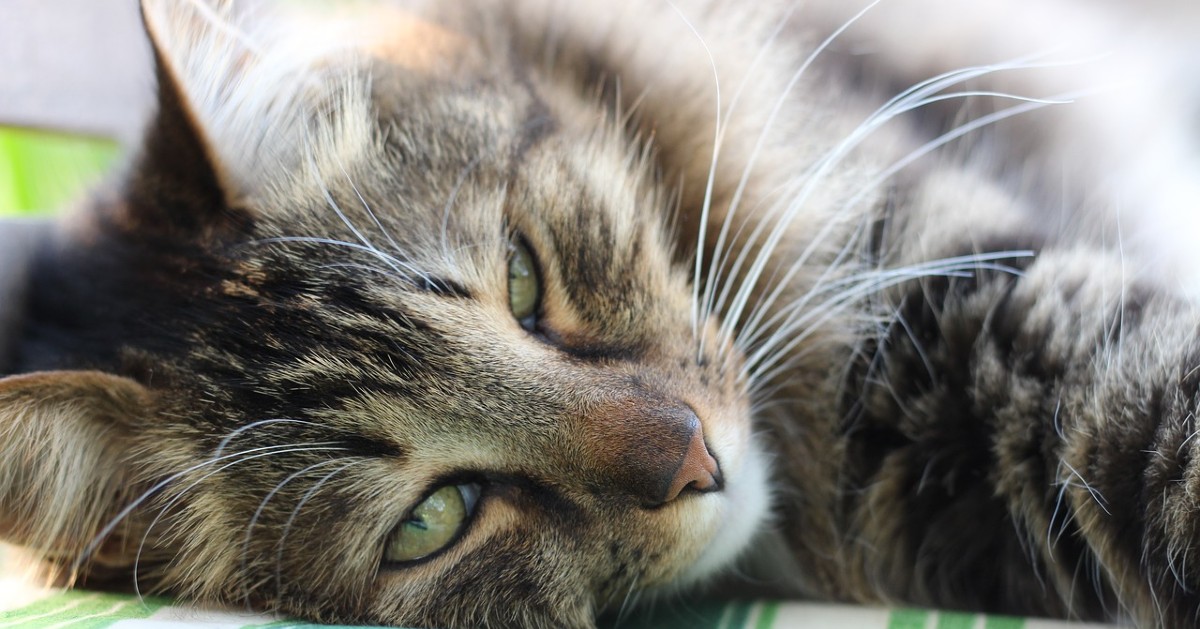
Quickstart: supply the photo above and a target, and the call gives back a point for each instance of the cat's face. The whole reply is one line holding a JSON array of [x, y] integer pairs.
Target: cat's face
[[443, 368]]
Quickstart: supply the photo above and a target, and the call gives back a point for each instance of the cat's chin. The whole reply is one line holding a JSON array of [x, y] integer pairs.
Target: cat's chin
[[744, 510]]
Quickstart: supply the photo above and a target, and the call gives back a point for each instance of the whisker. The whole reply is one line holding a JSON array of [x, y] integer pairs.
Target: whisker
[[771, 351], [391, 261], [960, 264], [333, 205], [834, 306], [278, 449], [733, 106], [749, 330], [386, 234], [458, 184], [629, 595], [287, 527], [258, 513], [1029, 104], [258, 424], [367, 268], [719, 259], [913, 97], [124, 513], [708, 188]]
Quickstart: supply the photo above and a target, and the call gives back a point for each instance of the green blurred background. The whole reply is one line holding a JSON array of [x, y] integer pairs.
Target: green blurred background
[[42, 171]]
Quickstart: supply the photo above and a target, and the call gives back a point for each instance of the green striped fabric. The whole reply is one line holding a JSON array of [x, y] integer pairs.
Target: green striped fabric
[[92, 610]]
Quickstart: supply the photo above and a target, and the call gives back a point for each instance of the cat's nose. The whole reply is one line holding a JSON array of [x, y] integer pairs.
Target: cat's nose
[[653, 452], [698, 470]]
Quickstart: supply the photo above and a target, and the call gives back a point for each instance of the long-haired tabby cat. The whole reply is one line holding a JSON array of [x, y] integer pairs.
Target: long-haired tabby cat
[[474, 313]]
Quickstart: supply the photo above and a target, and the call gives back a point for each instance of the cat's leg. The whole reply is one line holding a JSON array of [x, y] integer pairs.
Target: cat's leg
[[1025, 441]]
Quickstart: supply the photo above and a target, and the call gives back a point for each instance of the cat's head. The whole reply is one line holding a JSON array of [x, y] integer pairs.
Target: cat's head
[[385, 331]]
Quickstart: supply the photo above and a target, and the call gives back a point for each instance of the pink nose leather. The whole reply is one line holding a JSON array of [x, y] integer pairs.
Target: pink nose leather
[[698, 470]]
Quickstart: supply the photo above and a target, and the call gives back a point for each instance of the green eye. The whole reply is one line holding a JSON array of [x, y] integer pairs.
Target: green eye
[[433, 524], [524, 289]]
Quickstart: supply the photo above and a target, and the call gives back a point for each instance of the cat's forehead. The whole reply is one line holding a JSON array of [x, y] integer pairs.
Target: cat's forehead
[[318, 113], [457, 167]]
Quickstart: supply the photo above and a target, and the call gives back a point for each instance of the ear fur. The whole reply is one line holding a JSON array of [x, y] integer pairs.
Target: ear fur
[[177, 184], [260, 104], [64, 457]]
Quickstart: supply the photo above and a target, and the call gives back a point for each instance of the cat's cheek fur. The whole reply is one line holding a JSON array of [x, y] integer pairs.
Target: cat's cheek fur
[[506, 554]]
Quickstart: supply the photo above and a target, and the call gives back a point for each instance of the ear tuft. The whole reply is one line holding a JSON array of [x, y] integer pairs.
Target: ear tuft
[[65, 457]]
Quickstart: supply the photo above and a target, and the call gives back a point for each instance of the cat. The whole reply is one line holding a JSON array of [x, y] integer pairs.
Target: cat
[[471, 313]]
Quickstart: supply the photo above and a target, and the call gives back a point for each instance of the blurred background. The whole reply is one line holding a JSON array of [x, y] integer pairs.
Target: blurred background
[[75, 85], [76, 82], [40, 171]]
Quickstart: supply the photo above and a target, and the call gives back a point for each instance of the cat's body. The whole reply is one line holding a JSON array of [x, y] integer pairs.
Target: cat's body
[[299, 316]]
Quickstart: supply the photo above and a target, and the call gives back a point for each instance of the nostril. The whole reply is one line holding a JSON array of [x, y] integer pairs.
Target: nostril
[[698, 471]]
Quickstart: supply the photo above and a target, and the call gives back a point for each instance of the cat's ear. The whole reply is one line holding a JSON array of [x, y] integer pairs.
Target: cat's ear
[[65, 452], [179, 183], [253, 106]]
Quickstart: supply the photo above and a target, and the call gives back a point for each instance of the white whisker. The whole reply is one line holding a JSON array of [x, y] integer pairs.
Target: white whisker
[[458, 184], [262, 506], [287, 527], [719, 257], [325, 446], [960, 265], [916, 96], [395, 264], [1029, 104], [712, 170], [258, 424], [124, 513], [806, 321], [396, 248]]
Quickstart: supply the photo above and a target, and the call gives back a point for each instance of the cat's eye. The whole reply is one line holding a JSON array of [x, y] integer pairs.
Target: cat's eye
[[524, 288], [433, 524]]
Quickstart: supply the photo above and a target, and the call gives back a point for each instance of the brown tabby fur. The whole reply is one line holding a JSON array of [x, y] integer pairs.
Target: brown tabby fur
[[233, 375]]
